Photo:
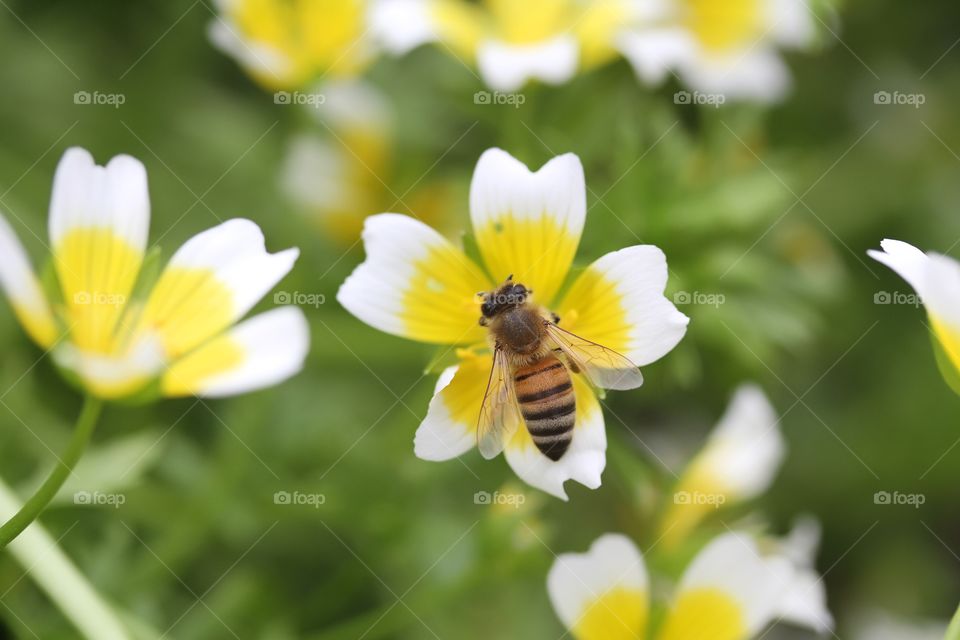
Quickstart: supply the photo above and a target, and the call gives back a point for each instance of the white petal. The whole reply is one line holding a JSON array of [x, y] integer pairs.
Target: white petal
[[805, 602], [447, 432], [315, 174], [733, 565], [115, 375], [414, 283], [583, 462], [756, 74], [272, 347], [507, 67], [905, 259], [350, 104], [632, 279], [655, 52], [791, 22], [402, 25], [235, 251], [86, 196], [20, 284], [746, 448], [528, 223], [801, 544], [577, 580], [942, 289]]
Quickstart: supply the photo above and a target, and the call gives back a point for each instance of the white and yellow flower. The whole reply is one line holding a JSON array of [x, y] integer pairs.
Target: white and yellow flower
[[727, 47], [181, 334], [730, 591], [737, 463], [418, 285], [284, 44], [336, 178], [510, 42], [936, 279]]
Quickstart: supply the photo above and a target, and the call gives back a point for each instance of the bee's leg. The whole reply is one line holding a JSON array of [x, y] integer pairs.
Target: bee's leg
[[483, 321], [556, 318]]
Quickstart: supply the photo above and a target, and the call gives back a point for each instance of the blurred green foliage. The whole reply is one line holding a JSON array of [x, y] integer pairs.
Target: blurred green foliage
[[772, 210]]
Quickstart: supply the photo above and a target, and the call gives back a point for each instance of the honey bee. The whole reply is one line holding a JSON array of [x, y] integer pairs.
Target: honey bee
[[531, 378]]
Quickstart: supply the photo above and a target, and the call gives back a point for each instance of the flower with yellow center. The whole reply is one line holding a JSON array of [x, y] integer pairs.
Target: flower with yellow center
[[418, 285], [737, 463], [177, 337], [285, 44], [730, 591], [510, 42], [726, 47], [936, 279]]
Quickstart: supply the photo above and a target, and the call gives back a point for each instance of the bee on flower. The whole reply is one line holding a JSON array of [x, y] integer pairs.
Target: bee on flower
[[737, 463], [721, 48], [936, 280], [285, 45], [116, 335], [731, 590], [529, 358]]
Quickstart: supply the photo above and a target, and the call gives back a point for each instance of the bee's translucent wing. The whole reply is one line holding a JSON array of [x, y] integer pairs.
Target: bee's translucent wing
[[604, 368], [499, 414]]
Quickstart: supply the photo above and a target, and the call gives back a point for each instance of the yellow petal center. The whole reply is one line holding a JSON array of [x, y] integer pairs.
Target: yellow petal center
[[312, 35], [187, 374], [704, 614], [97, 270], [619, 614], [724, 24], [186, 307]]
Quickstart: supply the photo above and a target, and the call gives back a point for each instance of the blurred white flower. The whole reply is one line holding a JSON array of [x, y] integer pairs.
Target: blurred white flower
[[737, 463], [727, 48], [509, 42], [730, 590], [285, 45]]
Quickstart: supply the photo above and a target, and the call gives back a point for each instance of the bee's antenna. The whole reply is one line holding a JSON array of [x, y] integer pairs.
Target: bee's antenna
[[509, 277]]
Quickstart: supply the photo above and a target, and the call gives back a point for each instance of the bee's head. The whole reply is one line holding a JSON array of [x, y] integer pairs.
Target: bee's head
[[508, 296]]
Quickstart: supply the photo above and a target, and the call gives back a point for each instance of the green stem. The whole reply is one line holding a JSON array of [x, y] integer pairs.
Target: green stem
[[953, 632], [31, 510]]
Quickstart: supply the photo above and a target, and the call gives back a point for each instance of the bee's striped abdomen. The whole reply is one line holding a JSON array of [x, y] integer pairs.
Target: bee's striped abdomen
[[545, 394]]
